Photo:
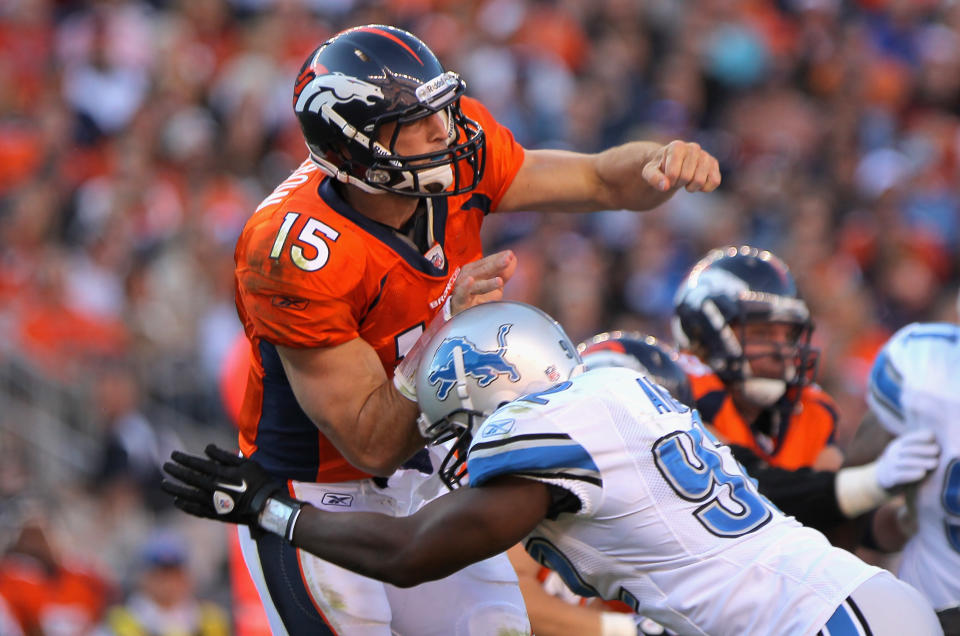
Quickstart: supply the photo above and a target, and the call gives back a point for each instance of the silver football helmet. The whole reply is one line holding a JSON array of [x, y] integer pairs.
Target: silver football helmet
[[484, 357]]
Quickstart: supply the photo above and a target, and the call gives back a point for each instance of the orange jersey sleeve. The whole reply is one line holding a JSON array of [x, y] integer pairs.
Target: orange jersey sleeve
[[504, 154]]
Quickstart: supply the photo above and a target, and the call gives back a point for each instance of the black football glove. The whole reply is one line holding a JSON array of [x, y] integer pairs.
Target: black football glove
[[950, 620], [230, 488]]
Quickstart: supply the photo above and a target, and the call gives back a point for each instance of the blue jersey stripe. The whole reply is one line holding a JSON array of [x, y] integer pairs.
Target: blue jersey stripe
[[485, 467], [845, 622], [885, 385]]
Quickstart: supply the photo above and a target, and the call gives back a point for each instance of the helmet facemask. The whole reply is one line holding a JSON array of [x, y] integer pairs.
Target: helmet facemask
[[457, 427], [794, 353], [459, 424]]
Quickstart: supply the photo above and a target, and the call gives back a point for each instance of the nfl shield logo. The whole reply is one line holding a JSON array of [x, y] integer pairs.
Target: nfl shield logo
[[435, 256], [222, 502]]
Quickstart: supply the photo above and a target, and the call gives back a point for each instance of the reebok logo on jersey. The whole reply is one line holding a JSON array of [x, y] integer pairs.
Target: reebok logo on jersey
[[336, 499], [499, 427], [222, 502], [486, 366], [288, 302]]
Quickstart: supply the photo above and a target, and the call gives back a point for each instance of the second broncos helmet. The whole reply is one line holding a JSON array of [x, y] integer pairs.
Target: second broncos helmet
[[368, 76], [646, 354], [729, 288]]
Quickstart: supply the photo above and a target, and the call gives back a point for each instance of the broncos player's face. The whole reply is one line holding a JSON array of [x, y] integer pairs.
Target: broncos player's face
[[425, 135], [771, 348]]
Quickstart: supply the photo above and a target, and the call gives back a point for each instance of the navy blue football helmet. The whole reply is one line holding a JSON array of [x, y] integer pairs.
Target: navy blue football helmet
[[729, 288], [646, 354], [368, 76]]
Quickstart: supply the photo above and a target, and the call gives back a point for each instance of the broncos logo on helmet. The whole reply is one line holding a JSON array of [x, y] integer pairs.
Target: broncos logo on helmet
[[486, 366], [335, 88]]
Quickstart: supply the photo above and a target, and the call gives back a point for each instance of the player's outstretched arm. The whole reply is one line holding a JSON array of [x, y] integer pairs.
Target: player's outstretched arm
[[451, 532], [638, 175]]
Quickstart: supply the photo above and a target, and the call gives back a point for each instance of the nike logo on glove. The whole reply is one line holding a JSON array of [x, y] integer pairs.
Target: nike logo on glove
[[241, 488]]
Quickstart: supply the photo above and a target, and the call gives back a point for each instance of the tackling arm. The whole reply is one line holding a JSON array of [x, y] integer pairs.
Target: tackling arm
[[638, 175], [448, 534]]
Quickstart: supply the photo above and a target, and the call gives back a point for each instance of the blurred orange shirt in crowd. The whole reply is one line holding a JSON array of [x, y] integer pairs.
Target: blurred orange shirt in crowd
[[64, 601]]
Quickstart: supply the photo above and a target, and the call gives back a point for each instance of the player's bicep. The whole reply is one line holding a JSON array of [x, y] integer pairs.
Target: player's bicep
[[554, 180]]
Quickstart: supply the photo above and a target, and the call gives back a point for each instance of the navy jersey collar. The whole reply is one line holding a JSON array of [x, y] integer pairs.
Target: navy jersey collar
[[386, 234]]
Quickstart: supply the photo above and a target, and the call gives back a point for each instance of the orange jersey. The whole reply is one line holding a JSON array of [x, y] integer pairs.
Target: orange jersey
[[810, 427], [313, 272], [66, 600]]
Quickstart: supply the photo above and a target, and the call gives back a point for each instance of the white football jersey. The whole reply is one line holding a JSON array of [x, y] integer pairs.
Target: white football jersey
[[915, 384], [667, 521]]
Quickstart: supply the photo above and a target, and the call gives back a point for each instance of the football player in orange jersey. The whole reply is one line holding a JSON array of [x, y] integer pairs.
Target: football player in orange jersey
[[345, 266], [739, 314]]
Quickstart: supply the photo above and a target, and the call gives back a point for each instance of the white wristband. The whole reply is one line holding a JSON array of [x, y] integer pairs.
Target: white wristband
[[857, 490], [279, 517], [617, 624]]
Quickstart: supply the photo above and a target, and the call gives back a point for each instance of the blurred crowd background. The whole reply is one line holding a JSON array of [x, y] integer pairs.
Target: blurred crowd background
[[137, 136]]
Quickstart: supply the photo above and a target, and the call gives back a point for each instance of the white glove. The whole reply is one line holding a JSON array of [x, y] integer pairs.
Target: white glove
[[907, 459]]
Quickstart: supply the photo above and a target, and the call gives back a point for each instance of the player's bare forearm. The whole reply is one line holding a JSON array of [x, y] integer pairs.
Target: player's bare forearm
[[638, 175], [347, 394], [386, 434], [620, 172], [448, 534], [868, 442]]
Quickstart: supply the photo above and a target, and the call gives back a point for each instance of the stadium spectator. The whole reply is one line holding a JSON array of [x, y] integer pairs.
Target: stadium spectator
[[46, 589], [163, 602]]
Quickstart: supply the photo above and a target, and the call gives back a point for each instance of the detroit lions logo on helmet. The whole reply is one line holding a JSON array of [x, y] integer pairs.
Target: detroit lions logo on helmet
[[335, 88], [486, 366]]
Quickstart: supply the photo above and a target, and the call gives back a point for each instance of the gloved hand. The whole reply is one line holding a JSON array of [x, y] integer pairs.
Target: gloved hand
[[229, 488], [907, 459]]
